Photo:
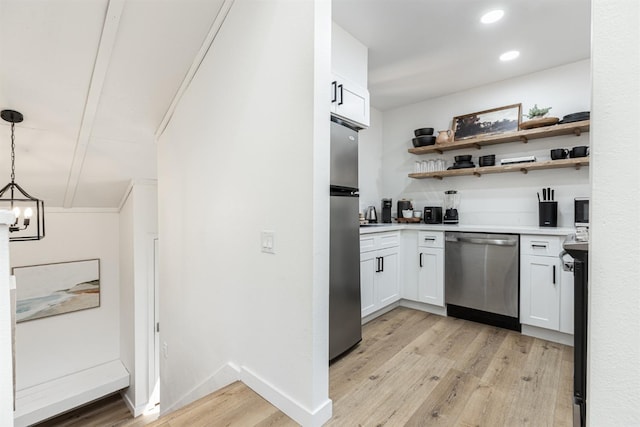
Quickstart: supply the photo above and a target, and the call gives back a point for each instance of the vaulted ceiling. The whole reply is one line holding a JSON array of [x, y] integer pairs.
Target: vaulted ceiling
[[96, 79]]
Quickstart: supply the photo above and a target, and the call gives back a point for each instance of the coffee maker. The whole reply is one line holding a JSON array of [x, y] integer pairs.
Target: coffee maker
[[403, 205], [386, 210], [451, 203]]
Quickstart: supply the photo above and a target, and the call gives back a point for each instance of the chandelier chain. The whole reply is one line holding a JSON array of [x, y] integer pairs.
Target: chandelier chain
[[13, 154]]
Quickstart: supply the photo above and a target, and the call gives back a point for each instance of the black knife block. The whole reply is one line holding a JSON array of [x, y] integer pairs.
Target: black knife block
[[548, 214]]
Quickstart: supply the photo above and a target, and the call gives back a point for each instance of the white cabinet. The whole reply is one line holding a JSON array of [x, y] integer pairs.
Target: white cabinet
[[350, 101], [546, 291], [368, 272], [431, 268], [387, 280], [540, 291], [379, 271], [349, 94]]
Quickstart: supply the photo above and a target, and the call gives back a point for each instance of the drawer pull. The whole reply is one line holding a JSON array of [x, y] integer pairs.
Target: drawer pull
[[430, 239], [533, 245]]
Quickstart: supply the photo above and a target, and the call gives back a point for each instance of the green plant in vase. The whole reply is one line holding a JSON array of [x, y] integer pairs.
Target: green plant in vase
[[537, 113]]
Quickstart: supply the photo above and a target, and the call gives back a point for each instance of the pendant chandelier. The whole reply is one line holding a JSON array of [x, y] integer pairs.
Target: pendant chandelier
[[29, 211]]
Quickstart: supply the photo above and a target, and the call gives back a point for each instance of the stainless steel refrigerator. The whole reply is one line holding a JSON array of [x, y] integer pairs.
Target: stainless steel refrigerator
[[345, 328]]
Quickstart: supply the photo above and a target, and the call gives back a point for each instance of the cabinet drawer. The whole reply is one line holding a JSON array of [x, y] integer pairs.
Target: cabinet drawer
[[388, 240], [367, 243], [431, 239], [540, 245], [372, 242]]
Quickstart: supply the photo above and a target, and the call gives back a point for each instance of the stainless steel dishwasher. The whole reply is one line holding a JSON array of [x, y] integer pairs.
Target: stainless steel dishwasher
[[482, 279]]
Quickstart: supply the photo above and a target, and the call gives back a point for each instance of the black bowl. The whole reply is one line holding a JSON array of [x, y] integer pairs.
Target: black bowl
[[423, 131], [464, 158], [424, 140], [487, 162]]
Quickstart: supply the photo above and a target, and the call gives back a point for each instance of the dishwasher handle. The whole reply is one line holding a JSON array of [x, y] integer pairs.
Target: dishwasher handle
[[484, 241]]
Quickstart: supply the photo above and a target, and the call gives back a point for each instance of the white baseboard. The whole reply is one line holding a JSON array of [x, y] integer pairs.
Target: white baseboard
[[135, 410], [224, 376], [300, 414], [434, 309], [548, 335], [230, 373], [369, 317], [421, 306]]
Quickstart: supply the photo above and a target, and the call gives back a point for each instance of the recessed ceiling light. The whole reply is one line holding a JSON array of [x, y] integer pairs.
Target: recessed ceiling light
[[491, 17], [508, 56]]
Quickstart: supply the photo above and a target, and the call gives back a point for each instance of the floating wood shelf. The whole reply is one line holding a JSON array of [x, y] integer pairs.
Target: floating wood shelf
[[518, 167], [524, 136]]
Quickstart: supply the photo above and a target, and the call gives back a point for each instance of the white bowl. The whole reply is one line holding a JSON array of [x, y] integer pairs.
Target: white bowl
[[417, 214], [407, 213]]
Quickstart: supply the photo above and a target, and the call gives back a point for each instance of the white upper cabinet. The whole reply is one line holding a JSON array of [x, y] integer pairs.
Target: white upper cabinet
[[349, 94]]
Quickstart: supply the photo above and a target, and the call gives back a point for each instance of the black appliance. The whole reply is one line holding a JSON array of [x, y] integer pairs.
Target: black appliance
[[386, 210], [345, 324], [433, 215], [403, 205], [581, 211], [579, 250]]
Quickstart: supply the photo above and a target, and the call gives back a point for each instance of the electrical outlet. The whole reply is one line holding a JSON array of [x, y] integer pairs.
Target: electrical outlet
[[165, 349], [267, 239]]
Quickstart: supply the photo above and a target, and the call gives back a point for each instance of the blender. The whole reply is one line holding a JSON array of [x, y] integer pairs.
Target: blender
[[451, 203]]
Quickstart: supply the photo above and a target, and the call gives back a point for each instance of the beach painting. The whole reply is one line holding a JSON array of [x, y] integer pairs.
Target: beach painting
[[50, 289]]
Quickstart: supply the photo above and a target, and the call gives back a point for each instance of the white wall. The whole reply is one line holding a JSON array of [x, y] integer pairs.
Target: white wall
[[508, 199], [138, 229], [55, 346], [6, 345], [246, 151], [369, 164], [614, 299]]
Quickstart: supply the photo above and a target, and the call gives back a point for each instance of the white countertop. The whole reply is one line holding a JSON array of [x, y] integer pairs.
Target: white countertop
[[514, 229]]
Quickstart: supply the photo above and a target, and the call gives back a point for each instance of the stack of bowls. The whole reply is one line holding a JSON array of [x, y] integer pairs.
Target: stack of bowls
[[488, 160], [463, 162], [424, 137]]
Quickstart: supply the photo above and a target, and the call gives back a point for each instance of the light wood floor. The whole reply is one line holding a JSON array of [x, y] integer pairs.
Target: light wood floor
[[411, 369]]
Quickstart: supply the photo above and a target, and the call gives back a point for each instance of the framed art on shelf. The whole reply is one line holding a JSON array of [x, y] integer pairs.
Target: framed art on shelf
[[488, 122], [50, 289]]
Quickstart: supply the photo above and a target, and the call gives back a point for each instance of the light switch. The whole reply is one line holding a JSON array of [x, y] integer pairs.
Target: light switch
[[268, 242]]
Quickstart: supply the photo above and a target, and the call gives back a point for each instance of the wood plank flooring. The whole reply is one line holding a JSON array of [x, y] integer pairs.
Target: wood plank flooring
[[411, 369]]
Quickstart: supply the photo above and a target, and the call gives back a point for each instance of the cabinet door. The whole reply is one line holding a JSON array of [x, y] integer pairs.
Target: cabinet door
[[387, 281], [430, 276], [540, 291], [350, 101], [368, 267], [566, 302]]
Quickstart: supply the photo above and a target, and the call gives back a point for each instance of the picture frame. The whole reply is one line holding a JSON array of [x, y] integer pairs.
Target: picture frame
[[45, 290], [488, 122]]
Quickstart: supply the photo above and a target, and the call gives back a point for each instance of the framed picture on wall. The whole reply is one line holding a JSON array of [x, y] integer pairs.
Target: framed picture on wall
[[50, 289], [488, 122]]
